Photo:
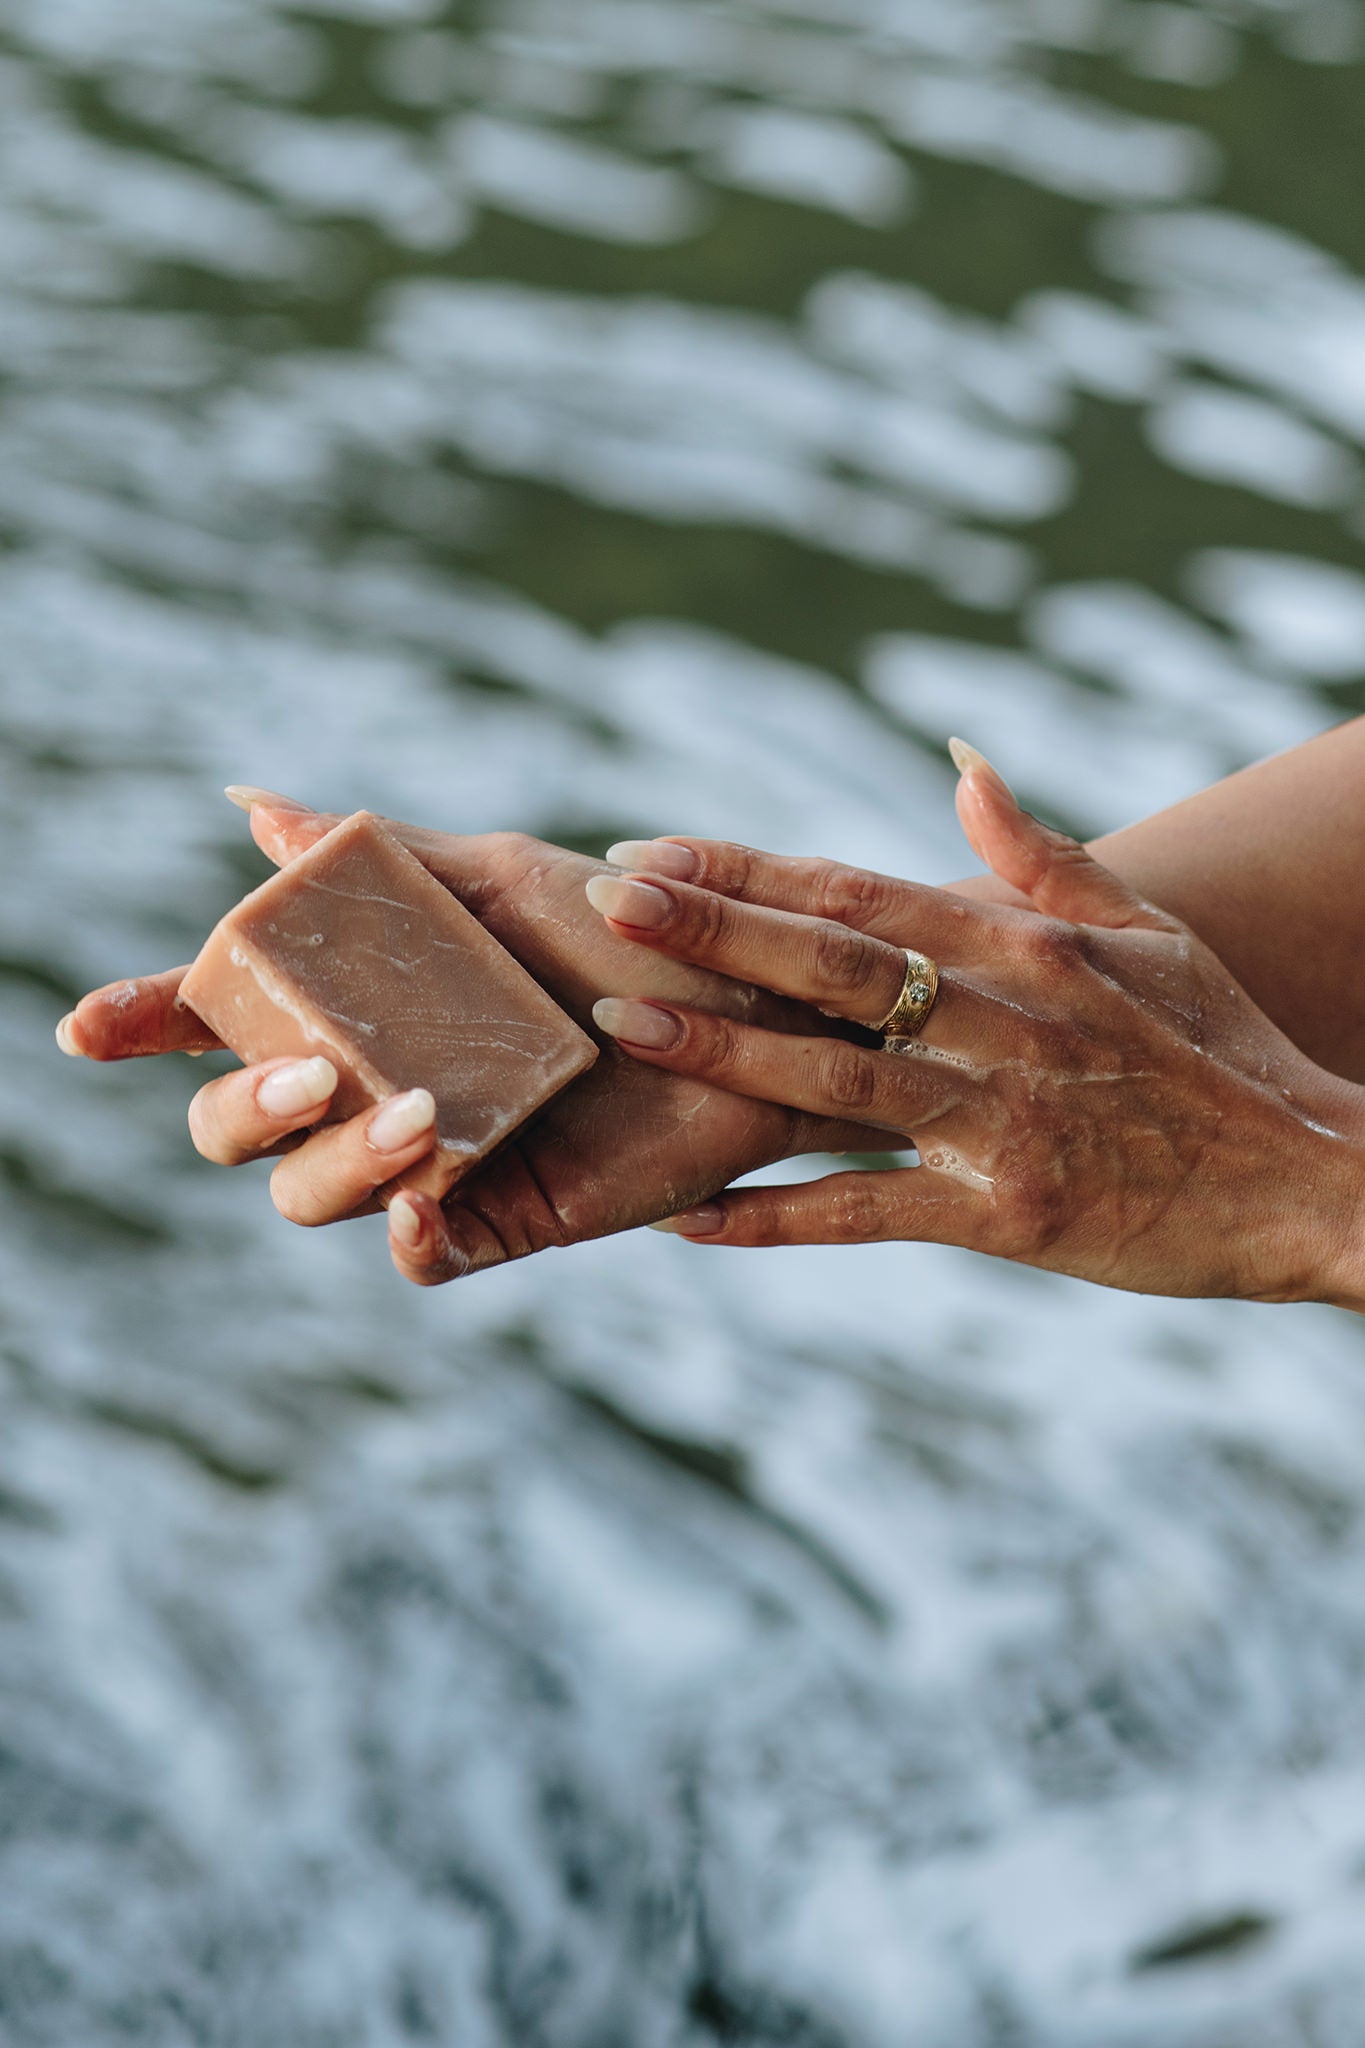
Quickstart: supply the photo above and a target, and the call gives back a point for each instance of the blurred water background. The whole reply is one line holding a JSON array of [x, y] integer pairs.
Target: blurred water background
[[607, 417]]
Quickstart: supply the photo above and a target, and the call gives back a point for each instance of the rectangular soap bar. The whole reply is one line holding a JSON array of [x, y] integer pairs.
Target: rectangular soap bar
[[356, 952]]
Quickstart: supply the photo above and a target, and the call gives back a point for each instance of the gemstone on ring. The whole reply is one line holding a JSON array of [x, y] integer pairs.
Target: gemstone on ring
[[910, 1011]]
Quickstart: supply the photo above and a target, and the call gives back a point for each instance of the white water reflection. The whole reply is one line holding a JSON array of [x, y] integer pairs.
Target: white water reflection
[[1308, 615], [1232, 438], [568, 183], [641, 1647], [1252, 302], [807, 158], [1167, 663]]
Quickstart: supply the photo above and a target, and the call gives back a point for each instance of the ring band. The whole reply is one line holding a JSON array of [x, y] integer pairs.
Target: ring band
[[909, 1013]]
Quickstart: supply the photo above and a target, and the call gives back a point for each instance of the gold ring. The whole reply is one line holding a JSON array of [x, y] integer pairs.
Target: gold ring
[[909, 1013]]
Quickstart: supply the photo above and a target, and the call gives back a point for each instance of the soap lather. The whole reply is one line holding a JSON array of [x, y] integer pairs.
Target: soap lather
[[356, 952]]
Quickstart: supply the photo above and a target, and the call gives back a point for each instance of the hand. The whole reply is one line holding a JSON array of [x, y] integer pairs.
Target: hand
[[622, 1147], [1092, 1093]]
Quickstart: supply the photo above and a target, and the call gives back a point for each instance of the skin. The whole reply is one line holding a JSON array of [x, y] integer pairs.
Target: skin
[[1269, 868], [1093, 1093], [624, 1146], [1277, 849]]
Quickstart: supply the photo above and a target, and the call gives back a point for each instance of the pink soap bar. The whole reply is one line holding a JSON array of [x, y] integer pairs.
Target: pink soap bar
[[356, 952]]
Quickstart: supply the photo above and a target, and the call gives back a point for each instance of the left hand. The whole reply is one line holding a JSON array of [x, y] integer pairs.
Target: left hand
[[1092, 1093]]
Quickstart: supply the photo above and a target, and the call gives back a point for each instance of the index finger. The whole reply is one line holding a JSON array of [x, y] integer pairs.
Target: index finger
[[133, 1020], [882, 906]]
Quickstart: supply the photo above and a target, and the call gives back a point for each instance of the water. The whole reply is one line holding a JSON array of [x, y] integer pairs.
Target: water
[[619, 417]]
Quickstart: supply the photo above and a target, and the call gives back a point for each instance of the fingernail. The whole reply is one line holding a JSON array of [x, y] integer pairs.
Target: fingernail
[[246, 798], [968, 760], [402, 1118], [65, 1038], [291, 1090], [656, 857], [637, 1023], [703, 1222], [637, 903], [405, 1221]]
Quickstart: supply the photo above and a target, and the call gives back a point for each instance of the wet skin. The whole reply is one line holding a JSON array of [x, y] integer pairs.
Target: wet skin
[[624, 1146], [1094, 1093]]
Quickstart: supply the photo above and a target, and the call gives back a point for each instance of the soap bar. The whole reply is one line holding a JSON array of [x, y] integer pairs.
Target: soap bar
[[356, 952]]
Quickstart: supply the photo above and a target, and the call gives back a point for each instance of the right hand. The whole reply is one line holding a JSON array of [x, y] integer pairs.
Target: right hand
[[622, 1147]]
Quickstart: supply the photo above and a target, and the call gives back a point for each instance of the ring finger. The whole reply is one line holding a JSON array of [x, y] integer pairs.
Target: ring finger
[[843, 972]]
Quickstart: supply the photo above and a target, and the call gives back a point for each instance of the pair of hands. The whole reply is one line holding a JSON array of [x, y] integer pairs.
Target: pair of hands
[[1093, 1092]]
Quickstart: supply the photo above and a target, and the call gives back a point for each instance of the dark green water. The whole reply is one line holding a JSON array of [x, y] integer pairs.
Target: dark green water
[[606, 416]]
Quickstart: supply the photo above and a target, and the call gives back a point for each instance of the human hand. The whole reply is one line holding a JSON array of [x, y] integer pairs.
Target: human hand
[[623, 1146], [1093, 1093]]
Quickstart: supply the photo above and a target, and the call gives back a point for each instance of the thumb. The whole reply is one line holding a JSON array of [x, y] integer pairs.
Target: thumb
[[282, 827], [1055, 872], [283, 834]]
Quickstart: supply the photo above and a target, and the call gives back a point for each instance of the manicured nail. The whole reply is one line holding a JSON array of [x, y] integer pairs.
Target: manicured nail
[[246, 798], [637, 1023], [637, 903], [403, 1118], [656, 857], [291, 1090], [405, 1221], [705, 1221], [65, 1039], [970, 760]]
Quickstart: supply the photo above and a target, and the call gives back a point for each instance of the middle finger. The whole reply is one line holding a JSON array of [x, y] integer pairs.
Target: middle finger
[[826, 1077]]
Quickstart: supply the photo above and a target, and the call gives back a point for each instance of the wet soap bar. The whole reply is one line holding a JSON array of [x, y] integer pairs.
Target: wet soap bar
[[355, 951]]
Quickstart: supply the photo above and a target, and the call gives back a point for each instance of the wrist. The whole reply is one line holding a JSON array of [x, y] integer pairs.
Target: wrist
[[1339, 1277]]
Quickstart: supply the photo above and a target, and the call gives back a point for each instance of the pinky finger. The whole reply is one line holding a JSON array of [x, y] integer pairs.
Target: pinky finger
[[844, 1208]]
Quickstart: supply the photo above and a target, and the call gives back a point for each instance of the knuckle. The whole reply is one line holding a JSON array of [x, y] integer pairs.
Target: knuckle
[[1066, 851], [1034, 1215], [709, 919], [541, 1227], [546, 1232], [848, 1078], [727, 866], [291, 1196], [1054, 945], [844, 959], [714, 1044], [508, 859], [857, 1211], [849, 895], [510, 845]]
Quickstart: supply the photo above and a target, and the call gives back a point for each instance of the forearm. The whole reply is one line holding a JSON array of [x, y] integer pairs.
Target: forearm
[[1268, 868]]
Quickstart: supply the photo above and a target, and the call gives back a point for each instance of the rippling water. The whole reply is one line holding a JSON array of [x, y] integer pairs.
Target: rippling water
[[615, 416]]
